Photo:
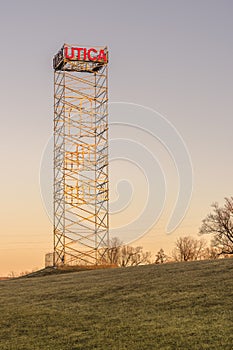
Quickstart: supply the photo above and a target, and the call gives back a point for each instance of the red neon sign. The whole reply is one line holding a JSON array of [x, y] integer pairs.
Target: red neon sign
[[83, 54]]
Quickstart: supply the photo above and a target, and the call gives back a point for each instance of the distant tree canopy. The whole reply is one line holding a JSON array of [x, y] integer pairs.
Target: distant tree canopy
[[220, 224], [161, 257], [189, 249], [125, 255]]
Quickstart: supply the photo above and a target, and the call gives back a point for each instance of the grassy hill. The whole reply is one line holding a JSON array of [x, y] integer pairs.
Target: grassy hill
[[171, 306]]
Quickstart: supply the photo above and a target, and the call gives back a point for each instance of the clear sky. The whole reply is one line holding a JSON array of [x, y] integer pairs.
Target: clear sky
[[175, 57]]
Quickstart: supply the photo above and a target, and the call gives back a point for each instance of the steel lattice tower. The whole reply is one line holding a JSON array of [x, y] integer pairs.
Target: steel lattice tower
[[81, 219]]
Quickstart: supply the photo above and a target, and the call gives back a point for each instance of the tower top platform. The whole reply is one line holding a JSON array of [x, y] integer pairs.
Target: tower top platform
[[80, 59]]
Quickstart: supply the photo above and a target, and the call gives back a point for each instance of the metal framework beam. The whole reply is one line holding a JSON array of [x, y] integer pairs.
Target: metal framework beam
[[81, 209]]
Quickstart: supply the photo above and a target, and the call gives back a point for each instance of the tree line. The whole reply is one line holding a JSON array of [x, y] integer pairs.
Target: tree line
[[186, 248], [218, 224]]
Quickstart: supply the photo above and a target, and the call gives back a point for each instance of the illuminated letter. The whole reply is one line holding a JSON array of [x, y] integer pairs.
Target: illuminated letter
[[84, 54], [89, 54], [102, 56], [69, 57], [78, 49]]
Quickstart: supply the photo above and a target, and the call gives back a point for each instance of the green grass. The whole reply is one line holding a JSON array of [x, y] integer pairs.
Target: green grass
[[171, 306]]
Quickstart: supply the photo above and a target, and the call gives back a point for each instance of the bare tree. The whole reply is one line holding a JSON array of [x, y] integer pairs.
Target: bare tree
[[114, 251], [189, 249], [220, 224], [125, 255], [211, 253], [12, 274], [160, 257], [133, 256]]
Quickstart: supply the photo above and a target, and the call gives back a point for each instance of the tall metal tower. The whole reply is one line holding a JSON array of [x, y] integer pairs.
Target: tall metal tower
[[81, 215]]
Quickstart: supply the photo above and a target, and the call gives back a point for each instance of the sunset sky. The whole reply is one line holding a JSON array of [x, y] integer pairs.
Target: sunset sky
[[174, 57]]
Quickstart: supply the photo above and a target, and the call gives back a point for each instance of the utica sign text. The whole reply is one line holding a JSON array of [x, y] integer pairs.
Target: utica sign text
[[84, 54]]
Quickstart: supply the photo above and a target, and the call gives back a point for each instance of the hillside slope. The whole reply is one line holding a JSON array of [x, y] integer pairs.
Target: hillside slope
[[172, 306]]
